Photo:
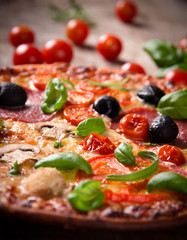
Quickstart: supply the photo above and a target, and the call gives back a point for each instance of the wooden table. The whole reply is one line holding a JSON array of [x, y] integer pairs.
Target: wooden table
[[166, 20]]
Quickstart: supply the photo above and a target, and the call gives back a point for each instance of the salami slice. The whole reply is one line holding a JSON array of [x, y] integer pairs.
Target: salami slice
[[31, 112]]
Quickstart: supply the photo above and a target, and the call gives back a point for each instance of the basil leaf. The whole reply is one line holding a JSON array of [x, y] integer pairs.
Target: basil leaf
[[90, 125], [168, 181], [174, 104], [58, 144], [1, 124], [162, 71], [124, 154], [54, 97], [86, 196], [65, 160], [149, 144], [139, 175], [14, 170], [163, 53]]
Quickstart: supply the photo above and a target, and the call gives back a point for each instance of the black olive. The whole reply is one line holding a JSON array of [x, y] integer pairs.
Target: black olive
[[12, 95], [107, 105], [162, 129], [150, 94]]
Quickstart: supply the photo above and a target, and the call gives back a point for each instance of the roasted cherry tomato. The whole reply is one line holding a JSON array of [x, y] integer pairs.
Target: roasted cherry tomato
[[27, 54], [126, 10], [109, 46], [21, 34], [124, 98], [131, 67], [134, 126], [41, 79], [77, 31], [85, 86], [76, 114], [57, 51], [177, 76], [80, 98], [183, 43], [168, 153], [98, 143]]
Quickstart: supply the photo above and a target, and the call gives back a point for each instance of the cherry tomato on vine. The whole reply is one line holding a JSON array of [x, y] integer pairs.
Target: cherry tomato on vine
[[57, 51], [177, 76], [183, 43], [109, 46], [131, 67], [27, 54], [134, 126], [126, 11], [21, 34], [77, 31]]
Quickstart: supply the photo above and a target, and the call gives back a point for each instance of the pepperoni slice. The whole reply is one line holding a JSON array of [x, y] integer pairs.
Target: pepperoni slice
[[31, 112]]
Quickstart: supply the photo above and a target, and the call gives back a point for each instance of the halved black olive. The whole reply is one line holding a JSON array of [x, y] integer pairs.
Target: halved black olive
[[162, 129], [150, 94], [107, 105], [12, 95]]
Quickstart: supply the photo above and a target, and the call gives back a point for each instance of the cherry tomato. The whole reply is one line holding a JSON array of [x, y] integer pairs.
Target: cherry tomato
[[132, 67], [134, 126], [76, 114], [41, 79], [21, 34], [77, 31], [124, 98], [80, 98], [85, 86], [126, 10], [27, 54], [183, 43], [168, 153], [98, 143], [109, 46], [57, 51], [177, 76]]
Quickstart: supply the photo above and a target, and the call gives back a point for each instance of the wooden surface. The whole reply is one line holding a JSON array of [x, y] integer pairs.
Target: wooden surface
[[162, 19]]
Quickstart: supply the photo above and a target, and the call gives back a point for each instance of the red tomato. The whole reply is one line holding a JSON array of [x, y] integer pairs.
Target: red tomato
[[134, 126], [77, 31], [98, 143], [76, 114], [41, 79], [57, 51], [80, 98], [21, 34], [132, 67], [109, 46], [27, 54], [85, 86], [177, 75], [126, 10], [124, 98], [168, 153], [183, 43]]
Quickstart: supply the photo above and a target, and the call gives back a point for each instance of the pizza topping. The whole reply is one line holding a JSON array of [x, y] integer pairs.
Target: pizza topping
[[58, 144], [86, 196], [14, 170], [169, 181], [107, 105], [124, 154], [80, 97], [55, 96], [150, 94], [124, 98], [134, 126], [64, 161], [45, 182], [97, 143], [20, 152], [12, 95], [162, 129]]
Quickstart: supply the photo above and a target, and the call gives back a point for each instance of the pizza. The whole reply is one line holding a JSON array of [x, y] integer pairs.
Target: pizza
[[92, 147]]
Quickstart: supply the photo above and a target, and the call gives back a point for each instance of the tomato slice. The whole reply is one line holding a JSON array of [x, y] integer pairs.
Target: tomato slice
[[41, 79], [168, 153], [134, 126], [80, 98], [76, 114], [85, 86], [98, 143], [124, 98]]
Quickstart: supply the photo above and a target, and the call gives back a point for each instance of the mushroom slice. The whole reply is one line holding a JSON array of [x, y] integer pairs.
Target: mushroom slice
[[45, 183], [18, 152]]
